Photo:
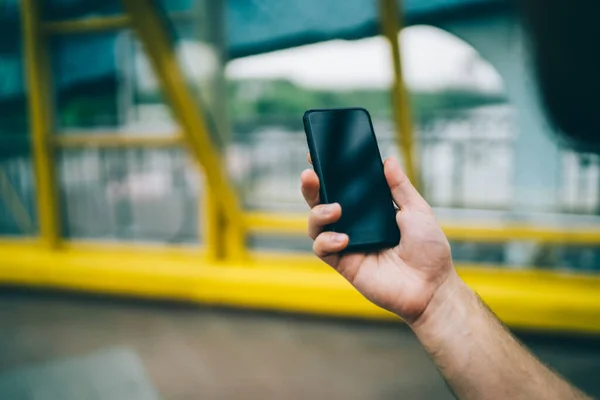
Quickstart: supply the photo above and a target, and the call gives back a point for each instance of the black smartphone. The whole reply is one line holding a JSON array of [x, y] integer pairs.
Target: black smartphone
[[348, 163]]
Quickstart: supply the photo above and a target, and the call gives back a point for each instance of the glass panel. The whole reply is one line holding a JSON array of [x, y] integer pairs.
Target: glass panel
[[86, 82], [266, 165], [17, 196], [17, 184], [580, 183], [63, 10], [467, 157], [136, 195]]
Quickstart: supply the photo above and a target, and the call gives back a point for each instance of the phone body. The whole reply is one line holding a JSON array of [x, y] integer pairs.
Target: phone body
[[346, 158]]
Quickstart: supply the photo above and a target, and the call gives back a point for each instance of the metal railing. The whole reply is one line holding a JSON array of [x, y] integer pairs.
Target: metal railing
[[17, 198], [129, 195], [466, 160], [463, 165]]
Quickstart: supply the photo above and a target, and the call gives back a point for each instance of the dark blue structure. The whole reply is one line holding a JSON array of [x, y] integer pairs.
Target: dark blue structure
[[253, 26]]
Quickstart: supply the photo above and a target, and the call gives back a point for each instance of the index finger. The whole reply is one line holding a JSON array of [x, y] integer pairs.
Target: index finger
[[310, 187]]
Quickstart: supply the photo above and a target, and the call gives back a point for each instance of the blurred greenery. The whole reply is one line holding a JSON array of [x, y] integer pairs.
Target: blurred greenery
[[88, 106], [278, 100], [251, 103]]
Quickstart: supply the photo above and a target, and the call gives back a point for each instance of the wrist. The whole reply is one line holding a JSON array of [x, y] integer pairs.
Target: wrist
[[447, 313]]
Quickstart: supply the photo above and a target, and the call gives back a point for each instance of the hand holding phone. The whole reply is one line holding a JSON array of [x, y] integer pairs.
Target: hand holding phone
[[404, 278]]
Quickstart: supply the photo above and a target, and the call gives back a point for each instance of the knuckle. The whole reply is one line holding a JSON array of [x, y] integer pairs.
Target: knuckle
[[320, 212], [312, 217], [317, 247], [312, 232], [321, 245]]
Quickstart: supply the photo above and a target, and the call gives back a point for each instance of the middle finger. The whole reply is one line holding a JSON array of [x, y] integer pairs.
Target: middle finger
[[321, 216]]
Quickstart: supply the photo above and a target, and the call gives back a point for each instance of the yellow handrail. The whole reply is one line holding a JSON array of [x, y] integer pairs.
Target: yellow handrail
[[296, 224], [527, 299]]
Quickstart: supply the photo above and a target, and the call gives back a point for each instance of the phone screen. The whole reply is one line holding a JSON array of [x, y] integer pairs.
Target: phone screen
[[349, 165]]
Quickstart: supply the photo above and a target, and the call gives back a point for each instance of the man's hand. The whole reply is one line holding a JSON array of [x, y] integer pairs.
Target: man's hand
[[416, 280], [403, 279]]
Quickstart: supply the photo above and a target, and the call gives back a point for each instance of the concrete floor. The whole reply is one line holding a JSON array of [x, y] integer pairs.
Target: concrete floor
[[193, 353]]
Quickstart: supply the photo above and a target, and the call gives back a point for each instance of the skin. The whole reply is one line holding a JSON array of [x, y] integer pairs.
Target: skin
[[416, 280]]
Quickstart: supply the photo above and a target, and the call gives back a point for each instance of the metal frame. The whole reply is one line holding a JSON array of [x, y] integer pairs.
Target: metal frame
[[115, 140], [152, 33], [99, 24], [525, 299], [391, 25], [221, 272], [295, 224], [38, 82], [94, 24]]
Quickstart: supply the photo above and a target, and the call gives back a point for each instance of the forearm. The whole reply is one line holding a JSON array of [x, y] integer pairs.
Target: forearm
[[477, 356]]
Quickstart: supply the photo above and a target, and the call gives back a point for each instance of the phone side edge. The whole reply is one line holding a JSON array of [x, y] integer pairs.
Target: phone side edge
[[314, 155], [396, 232]]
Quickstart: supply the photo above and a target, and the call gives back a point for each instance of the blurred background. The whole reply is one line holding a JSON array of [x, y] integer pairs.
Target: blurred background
[[152, 227]]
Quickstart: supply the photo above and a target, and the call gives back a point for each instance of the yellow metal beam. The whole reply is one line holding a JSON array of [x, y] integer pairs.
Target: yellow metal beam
[[296, 224], [99, 24], [264, 222], [116, 140], [93, 24], [516, 232], [391, 26], [116, 248], [37, 68], [212, 224], [153, 34], [523, 299]]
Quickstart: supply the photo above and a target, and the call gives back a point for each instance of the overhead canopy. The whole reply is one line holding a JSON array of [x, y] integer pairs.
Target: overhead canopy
[[257, 26], [253, 26]]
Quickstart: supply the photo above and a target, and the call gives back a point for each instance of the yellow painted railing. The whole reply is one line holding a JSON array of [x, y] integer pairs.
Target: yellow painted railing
[[526, 299], [296, 224]]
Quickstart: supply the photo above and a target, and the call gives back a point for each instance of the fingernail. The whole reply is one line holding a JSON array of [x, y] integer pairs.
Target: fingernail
[[339, 238], [326, 211], [333, 207]]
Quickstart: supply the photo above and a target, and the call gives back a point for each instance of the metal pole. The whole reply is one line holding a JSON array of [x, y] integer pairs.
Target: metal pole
[[391, 26], [151, 31], [37, 68]]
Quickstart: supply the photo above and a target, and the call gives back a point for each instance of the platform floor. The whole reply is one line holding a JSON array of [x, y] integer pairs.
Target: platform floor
[[190, 352]]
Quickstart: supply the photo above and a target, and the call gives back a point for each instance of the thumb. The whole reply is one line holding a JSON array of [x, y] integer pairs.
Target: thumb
[[403, 192]]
